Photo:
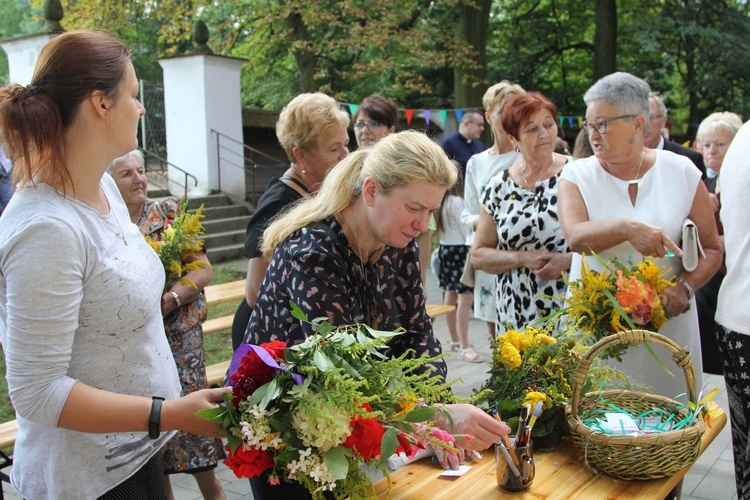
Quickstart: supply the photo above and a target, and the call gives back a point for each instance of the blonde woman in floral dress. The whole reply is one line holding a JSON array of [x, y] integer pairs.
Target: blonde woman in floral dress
[[184, 309]]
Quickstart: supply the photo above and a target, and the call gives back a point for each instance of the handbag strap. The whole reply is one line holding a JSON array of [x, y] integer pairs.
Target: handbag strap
[[297, 182]]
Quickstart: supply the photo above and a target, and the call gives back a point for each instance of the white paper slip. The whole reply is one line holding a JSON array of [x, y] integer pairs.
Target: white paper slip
[[456, 473], [620, 423]]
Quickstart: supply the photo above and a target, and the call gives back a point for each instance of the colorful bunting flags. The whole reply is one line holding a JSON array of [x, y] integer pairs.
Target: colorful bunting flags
[[569, 121]]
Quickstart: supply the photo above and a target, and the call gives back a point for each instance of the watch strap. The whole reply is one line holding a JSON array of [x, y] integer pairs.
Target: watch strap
[[154, 419]]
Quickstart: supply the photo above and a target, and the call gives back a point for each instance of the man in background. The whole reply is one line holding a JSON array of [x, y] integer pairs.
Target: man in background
[[653, 138], [465, 143]]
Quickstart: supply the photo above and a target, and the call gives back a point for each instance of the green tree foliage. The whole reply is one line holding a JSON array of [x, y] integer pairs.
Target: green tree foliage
[[442, 53], [704, 42], [348, 49], [545, 45]]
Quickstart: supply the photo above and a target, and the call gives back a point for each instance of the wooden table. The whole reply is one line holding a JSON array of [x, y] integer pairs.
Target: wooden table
[[560, 474]]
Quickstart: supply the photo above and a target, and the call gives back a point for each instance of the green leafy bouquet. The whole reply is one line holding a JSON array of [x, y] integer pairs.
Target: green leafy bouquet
[[178, 242], [316, 411]]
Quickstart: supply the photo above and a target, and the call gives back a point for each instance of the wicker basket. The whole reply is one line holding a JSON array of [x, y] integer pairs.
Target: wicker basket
[[649, 456]]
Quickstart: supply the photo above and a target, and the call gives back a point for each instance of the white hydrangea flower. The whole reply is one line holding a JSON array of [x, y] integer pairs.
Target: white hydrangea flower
[[320, 423]]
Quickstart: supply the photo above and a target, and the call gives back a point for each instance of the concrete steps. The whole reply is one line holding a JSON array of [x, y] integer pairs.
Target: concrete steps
[[225, 222]]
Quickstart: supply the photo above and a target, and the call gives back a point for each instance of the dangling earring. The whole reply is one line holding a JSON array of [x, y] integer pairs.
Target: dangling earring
[[517, 149], [304, 170]]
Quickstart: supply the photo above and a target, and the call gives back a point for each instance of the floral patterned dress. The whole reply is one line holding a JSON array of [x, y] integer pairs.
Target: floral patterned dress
[[318, 270], [185, 452], [525, 220]]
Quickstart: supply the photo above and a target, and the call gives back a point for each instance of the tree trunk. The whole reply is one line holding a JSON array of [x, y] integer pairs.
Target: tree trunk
[[605, 39], [470, 67], [302, 51]]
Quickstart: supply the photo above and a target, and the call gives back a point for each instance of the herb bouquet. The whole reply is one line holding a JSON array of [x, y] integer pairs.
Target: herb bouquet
[[618, 298], [177, 243], [529, 367], [316, 411]]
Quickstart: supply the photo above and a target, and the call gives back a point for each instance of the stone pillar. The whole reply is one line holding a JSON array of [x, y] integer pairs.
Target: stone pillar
[[203, 112], [23, 51]]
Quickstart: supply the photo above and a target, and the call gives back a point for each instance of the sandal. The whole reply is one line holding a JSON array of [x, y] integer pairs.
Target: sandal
[[470, 356], [455, 346]]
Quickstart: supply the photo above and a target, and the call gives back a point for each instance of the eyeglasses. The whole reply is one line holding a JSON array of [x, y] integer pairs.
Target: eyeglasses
[[601, 125], [370, 125]]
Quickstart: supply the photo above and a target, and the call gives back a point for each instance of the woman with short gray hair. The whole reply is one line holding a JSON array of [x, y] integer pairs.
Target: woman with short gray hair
[[629, 202]]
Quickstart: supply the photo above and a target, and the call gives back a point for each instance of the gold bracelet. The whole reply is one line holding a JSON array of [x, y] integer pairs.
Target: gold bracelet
[[176, 298]]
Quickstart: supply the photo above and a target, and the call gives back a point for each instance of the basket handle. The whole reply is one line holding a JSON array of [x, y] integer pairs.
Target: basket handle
[[681, 357]]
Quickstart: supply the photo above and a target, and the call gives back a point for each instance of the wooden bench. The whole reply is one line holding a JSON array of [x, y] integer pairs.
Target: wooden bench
[[231, 291]]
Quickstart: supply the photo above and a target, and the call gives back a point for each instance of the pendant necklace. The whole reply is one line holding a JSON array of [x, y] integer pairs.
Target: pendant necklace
[[523, 173], [121, 234], [366, 259], [635, 181], [87, 202]]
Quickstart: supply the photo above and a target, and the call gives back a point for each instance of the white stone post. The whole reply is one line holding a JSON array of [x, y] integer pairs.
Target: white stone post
[[22, 54], [203, 112]]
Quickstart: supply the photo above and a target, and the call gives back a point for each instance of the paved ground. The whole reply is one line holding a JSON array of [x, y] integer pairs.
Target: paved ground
[[711, 478]]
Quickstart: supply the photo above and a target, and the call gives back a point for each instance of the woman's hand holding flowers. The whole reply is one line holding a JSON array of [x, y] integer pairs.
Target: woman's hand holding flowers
[[675, 300], [181, 413], [168, 303]]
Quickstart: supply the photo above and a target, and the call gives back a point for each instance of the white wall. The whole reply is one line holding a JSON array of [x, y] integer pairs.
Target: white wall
[[22, 55], [201, 93]]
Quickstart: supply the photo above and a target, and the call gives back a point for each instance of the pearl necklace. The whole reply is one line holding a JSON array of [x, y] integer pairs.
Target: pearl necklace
[[142, 216]]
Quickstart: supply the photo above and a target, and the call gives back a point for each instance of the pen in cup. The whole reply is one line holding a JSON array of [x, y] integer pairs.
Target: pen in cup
[[508, 454], [521, 432], [505, 441], [535, 415]]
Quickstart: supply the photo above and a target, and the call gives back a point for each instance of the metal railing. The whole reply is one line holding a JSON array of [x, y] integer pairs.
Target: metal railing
[[164, 168], [258, 166]]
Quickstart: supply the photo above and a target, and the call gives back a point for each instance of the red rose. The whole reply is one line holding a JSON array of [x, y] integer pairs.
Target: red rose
[[253, 372], [275, 348], [367, 433], [248, 463]]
